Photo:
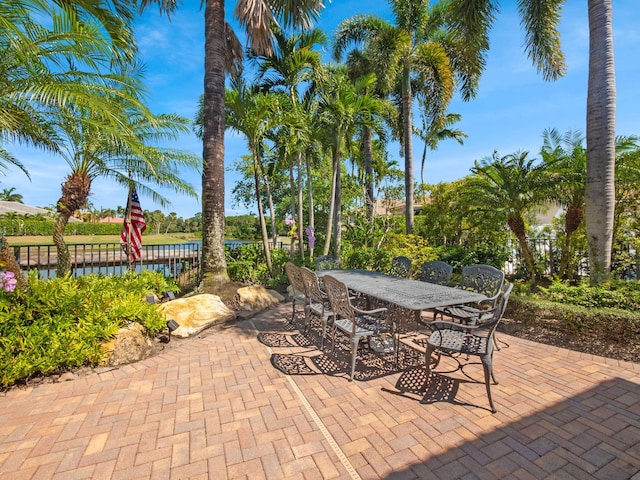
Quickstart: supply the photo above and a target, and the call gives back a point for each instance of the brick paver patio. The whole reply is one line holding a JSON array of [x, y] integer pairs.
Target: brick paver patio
[[216, 408]]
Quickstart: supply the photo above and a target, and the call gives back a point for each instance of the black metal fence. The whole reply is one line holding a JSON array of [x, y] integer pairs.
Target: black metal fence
[[180, 261]]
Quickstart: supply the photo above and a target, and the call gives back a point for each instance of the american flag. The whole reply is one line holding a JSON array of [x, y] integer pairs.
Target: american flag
[[134, 225]]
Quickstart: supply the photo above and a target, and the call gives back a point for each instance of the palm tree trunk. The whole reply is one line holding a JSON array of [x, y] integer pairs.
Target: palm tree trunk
[[272, 211], [516, 224], [601, 128], [300, 208], [332, 202], [263, 223], [214, 264], [573, 218], [294, 209], [310, 198], [368, 172], [63, 265], [407, 126], [337, 222]]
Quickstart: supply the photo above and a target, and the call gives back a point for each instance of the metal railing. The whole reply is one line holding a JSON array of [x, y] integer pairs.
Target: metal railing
[[181, 261]]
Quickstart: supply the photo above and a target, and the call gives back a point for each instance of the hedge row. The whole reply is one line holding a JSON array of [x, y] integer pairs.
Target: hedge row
[[14, 227], [608, 324]]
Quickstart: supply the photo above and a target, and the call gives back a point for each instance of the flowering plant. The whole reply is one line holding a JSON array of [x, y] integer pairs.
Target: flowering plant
[[8, 281], [310, 234]]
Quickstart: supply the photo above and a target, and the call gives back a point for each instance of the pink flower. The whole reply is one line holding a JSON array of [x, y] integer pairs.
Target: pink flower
[[8, 281]]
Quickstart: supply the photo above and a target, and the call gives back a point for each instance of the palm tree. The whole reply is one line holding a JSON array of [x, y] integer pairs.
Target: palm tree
[[418, 50], [251, 113], [9, 195], [434, 131], [54, 54], [567, 159], [221, 49], [93, 152], [287, 67], [540, 21], [343, 108], [514, 186], [601, 141]]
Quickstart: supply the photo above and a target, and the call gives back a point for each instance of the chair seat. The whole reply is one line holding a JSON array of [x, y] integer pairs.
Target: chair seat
[[320, 310], [366, 325], [466, 314], [460, 341]]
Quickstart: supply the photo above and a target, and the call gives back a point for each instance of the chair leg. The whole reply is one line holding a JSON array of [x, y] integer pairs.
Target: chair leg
[[324, 332], [354, 351], [488, 375], [495, 341]]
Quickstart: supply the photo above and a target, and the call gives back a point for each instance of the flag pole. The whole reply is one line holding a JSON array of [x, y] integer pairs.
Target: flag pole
[[128, 220]]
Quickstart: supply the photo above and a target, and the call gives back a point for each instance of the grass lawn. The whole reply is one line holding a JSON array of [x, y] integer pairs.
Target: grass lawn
[[89, 239]]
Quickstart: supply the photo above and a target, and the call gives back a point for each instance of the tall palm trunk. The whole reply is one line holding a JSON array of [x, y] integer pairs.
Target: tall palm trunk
[[516, 224], [601, 128], [75, 191], [368, 171], [294, 207], [310, 198], [272, 211], [337, 213], [335, 162], [407, 126], [63, 265], [300, 208], [263, 223], [214, 264], [573, 219]]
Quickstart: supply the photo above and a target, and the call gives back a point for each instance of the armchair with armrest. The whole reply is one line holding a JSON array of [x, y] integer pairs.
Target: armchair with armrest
[[355, 323]]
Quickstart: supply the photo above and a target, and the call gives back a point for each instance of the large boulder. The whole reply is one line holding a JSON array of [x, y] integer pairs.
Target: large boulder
[[196, 313], [129, 345], [256, 298]]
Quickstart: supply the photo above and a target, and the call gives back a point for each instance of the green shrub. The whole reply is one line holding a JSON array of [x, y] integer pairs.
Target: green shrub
[[63, 322], [617, 294], [366, 258], [247, 264], [608, 324]]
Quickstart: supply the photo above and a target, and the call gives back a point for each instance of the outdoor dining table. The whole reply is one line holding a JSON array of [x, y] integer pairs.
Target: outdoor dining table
[[410, 294]]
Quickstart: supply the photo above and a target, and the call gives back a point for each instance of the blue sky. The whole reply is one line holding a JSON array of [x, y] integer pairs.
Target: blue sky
[[513, 106]]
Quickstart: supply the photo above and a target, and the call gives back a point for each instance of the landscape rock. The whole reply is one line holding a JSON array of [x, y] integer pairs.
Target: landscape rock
[[196, 313], [256, 298], [129, 345]]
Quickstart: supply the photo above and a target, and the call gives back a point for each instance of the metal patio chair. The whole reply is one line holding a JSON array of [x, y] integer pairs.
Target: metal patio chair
[[356, 324], [483, 279], [298, 294], [326, 262], [436, 271], [317, 302], [478, 340], [401, 266]]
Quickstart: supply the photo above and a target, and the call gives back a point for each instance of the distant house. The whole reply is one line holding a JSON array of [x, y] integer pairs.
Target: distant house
[[22, 209], [111, 220], [387, 206]]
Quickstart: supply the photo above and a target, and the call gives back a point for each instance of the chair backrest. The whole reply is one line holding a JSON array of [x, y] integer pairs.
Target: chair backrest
[[338, 295], [483, 279], [326, 262], [436, 271], [312, 285], [492, 322], [295, 278], [401, 266]]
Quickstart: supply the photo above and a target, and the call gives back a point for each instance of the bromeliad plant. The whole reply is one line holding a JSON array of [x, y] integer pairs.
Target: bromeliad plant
[[64, 322]]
